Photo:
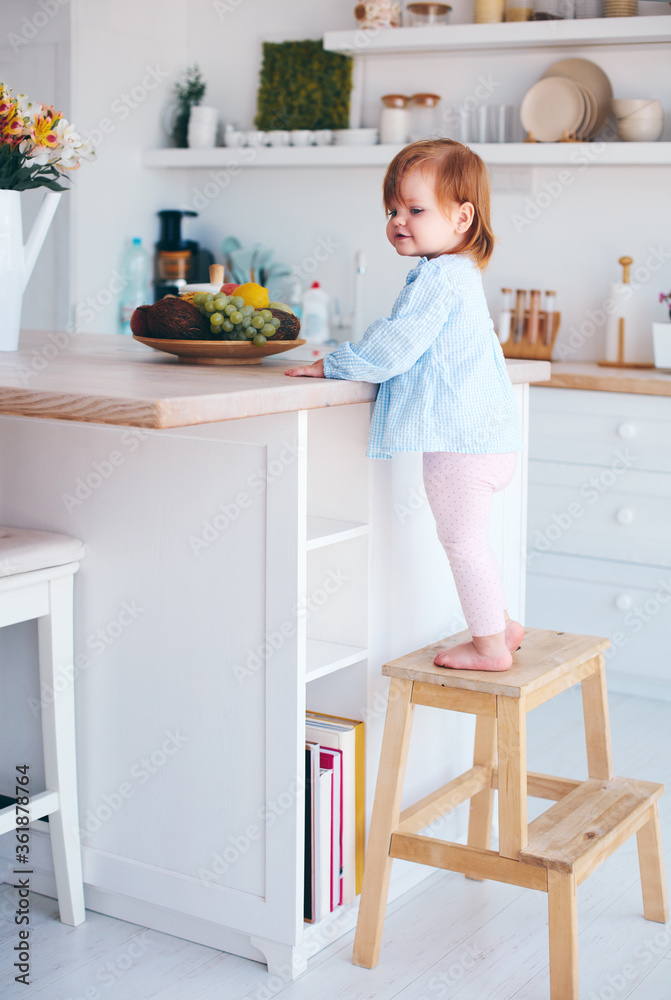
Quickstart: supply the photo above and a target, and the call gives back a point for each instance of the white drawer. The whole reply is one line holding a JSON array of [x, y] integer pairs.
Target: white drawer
[[629, 605], [606, 513], [575, 425]]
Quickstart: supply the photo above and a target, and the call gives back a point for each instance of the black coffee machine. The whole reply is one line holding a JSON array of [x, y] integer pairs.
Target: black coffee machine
[[178, 262]]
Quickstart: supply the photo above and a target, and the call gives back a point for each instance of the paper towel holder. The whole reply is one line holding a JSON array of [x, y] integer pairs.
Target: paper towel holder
[[626, 263]]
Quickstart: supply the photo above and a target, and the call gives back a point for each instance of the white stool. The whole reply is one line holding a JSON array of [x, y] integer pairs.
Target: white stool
[[36, 576]]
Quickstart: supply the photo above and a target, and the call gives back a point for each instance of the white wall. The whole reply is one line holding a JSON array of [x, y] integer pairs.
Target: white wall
[[572, 246]]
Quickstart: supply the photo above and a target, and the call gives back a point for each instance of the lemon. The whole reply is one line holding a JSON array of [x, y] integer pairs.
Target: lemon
[[253, 294]]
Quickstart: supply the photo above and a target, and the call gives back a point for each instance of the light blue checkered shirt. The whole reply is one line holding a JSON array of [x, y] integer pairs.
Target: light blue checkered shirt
[[443, 379]]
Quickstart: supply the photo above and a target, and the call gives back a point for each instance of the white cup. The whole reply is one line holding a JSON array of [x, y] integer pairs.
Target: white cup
[[302, 137], [323, 136], [201, 131], [256, 138], [278, 137], [233, 138]]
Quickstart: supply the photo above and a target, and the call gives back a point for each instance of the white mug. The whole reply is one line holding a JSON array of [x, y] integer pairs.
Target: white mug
[[279, 137], [302, 137], [233, 138], [323, 136]]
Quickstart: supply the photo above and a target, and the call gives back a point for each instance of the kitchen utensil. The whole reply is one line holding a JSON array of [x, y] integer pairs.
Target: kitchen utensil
[[534, 315], [634, 129], [301, 137], [620, 309], [218, 352], [590, 76], [421, 14], [520, 305], [552, 109], [549, 321]]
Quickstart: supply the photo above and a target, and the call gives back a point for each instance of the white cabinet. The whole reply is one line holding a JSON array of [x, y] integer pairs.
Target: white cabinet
[[599, 534]]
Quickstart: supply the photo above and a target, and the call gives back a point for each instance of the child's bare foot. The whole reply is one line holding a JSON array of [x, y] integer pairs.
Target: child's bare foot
[[482, 653], [513, 635]]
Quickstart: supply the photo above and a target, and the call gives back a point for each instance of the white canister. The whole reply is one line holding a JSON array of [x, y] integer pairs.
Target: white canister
[[395, 119]]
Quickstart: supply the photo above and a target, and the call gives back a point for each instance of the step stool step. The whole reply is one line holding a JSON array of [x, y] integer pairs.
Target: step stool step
[[545, 656], [584, 827]]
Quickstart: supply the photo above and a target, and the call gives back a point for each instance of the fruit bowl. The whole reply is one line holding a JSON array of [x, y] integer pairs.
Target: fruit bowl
[[218, 352]]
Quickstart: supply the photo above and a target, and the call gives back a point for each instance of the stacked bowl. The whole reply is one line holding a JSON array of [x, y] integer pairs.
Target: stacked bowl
[[640, 120], [571, 101]]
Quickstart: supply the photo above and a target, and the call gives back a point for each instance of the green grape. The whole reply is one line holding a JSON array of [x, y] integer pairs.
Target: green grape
[[209, 296], [268, 330], [247, 310], [275, 322], [198, 298], [259, 340], [238, 301], [210, 306], [227, 325], [219, 302], [267, 315], [216, 319], [246, 322], [250, 333], [230, 308], [236, 317], [258, 322], [241, 334]]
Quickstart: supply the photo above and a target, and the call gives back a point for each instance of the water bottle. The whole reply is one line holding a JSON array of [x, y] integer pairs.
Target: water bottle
[[135, 269], [315, 320]]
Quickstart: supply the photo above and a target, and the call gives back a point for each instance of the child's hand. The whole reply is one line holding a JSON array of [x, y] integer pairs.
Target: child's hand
[[315, 370]]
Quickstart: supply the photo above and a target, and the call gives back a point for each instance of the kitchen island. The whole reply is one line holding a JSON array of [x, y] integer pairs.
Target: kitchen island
[[244, 561]]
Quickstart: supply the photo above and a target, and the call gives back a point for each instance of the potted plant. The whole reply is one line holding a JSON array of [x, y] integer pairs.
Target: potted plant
[[38, 148]]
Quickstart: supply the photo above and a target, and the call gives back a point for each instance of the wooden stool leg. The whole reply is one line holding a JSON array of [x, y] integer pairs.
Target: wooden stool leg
[[386, 811], [651, 862], [512, 746], [597, 725], [482, 804], [563, 932], [58, 734]]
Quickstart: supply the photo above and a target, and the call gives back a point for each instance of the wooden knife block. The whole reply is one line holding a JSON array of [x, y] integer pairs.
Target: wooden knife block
[[538, 351]]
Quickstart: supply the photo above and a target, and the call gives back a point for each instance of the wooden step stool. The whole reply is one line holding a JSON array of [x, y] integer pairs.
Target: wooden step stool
[[558, 850]]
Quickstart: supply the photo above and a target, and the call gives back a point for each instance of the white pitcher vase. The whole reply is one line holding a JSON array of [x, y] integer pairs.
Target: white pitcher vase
[[17, 261]]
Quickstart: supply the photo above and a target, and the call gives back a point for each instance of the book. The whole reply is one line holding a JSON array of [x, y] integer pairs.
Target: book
[[310, 901], [332, 759], [323, 832], [337, 733]]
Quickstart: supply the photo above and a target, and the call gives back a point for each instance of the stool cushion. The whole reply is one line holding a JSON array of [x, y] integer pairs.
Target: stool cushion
[[23, 550]]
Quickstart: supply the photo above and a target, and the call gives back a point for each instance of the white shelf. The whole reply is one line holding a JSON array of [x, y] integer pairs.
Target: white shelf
[[514, 35], [494, 154], [326, 657], [323, 531]]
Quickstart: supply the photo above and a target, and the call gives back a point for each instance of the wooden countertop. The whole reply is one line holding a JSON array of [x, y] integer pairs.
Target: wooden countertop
[[105, 379], [589, 375]]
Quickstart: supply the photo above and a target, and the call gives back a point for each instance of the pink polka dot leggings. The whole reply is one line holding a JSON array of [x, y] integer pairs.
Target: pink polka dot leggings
[[460, 489]]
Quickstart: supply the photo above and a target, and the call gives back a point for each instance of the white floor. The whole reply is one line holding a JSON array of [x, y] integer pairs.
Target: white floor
[[449, 938]]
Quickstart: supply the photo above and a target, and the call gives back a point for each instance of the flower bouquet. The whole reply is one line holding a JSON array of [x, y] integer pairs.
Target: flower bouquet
[[38, 146]]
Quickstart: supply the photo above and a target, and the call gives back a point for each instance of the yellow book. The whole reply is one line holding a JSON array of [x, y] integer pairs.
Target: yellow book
[[346, 735]]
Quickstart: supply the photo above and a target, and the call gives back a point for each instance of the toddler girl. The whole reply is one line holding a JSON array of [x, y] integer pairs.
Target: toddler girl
[[444, 388]]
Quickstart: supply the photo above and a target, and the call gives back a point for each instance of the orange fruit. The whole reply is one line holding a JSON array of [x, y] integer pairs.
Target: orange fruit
[[253, 294]]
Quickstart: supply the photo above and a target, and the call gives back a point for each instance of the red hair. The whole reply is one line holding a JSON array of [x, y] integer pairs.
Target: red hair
[[459, 176]]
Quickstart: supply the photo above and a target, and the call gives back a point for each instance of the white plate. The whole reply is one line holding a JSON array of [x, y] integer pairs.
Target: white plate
[[589, 75], [552, 108]]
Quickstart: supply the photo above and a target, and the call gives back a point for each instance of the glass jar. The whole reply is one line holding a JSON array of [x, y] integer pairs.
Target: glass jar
[[554, 10], [518, 10], [423, 116], [395, 119], [373, 14]]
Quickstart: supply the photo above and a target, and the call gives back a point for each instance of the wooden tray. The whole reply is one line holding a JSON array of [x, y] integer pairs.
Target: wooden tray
[[218, 352], [538, 351]]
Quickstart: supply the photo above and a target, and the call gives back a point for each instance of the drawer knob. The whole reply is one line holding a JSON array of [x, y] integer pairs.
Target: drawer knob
[[626, 430], [624, 515], [623, 602]]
